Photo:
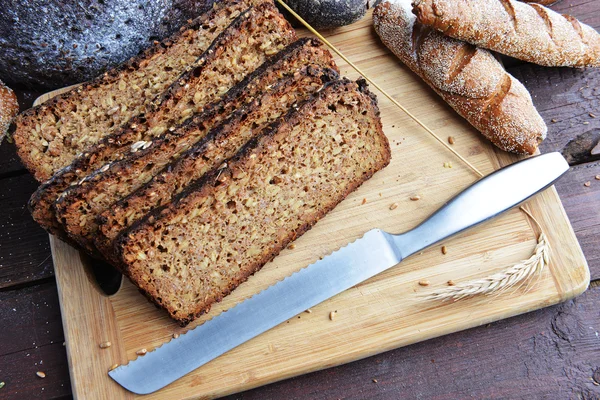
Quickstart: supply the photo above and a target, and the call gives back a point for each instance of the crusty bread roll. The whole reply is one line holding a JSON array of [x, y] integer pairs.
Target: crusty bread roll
[[9, 107], [470, 79], [530, 32]]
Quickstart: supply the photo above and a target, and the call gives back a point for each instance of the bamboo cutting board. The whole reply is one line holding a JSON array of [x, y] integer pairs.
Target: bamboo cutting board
[[380, 314]]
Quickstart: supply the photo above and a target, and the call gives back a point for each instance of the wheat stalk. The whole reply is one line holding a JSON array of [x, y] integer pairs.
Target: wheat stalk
[[516, 275]]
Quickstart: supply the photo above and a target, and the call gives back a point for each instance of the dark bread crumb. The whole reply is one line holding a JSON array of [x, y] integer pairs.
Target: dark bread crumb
[[239, 50], [190, 253], [283, 86]]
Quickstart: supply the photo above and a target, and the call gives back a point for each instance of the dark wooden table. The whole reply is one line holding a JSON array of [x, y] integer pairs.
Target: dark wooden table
[[552, 353]]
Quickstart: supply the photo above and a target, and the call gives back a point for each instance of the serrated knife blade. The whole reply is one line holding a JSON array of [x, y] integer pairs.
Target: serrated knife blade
[[360, 260]]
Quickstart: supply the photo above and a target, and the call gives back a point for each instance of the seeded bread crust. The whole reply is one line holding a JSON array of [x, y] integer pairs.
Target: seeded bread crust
[[199, 86], [221, 143], [48, 137], [210, 215]]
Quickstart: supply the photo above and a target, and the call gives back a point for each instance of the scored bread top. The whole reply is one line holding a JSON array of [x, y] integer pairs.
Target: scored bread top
[[526, 31], [285, 83], [51, 135], [468, 78], [240, 49], [194, 251]]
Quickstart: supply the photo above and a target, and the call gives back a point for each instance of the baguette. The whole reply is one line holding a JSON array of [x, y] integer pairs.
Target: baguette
[[285, 83], [190, 254], [469, 79], [212, 75], [529, 32], [49, 137], [241, 48]]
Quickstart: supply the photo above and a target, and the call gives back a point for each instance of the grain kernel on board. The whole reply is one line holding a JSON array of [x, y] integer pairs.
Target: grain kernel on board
[[141, 352], [105, 345], [444, 250], [451, 283], [424, 282], [394, 206], [451, 139], [587, 184], [416, 197], [332, 315]]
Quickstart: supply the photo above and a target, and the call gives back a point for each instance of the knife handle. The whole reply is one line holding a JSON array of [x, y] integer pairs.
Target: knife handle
[[486, 198]]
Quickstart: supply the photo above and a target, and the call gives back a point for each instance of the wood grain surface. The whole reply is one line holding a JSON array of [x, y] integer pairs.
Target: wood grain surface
[[549, 353]]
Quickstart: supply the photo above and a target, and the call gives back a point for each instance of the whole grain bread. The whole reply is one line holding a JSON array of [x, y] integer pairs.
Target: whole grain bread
[[470, 79], [253, 37], [284, 84], [221, 143], [193, 92], [527, 31], [217, 233], [51, 135]]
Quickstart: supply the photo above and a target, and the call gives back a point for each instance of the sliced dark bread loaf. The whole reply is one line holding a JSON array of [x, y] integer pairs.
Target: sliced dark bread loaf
[[50, 136], [233, 55], [102, 189], [242, 47], [221, 143], [197, 249]]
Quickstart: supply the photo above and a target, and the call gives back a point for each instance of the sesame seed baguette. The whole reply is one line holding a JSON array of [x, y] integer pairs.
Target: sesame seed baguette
[[212, 76], [220, 143], [201, 246], [257, 34], [526, 31], [49, 137], [469, 79]]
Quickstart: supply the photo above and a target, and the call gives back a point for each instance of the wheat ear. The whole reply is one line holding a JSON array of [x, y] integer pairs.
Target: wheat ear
[[516, 275]]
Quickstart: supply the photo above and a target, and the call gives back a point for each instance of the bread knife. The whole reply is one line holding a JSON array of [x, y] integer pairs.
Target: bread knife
[[362, 259]]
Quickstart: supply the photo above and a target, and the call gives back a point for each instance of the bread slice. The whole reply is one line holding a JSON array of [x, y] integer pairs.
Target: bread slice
[[198, 248], [227, 61], [221, 143], [49, 136], [242, 48]]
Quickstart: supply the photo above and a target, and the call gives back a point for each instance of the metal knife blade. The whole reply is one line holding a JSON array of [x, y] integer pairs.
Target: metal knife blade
[[375, 252]]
